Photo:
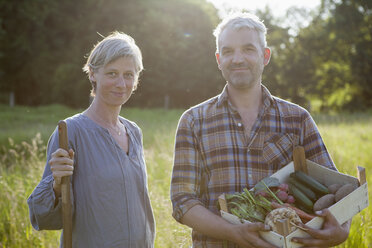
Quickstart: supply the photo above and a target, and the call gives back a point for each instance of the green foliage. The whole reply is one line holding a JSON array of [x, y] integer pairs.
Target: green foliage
[[19, 176], [265, 183], [22, 153], [349, 140], [329, 60], [44, 44], [23, 123], [335, 46]]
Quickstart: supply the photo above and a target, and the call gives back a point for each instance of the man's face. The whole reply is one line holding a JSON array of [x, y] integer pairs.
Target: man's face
[[241, 58]]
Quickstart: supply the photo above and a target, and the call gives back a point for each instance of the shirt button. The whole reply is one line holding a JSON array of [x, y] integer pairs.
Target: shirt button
[[250, 176], [239, 124]]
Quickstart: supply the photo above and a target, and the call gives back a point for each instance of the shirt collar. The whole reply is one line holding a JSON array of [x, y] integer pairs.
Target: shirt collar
[[223, 97], [267, 98]]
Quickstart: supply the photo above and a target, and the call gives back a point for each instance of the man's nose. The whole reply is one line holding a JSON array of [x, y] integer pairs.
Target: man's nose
[[237, 57]]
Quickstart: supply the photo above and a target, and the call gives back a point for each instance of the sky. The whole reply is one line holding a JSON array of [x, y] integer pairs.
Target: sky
[[278, 7]]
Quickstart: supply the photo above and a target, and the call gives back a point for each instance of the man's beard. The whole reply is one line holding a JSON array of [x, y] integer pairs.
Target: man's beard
[[247, 81]]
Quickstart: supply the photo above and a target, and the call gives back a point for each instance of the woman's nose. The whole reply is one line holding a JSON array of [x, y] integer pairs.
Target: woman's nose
[[125, 83], [122, 81]]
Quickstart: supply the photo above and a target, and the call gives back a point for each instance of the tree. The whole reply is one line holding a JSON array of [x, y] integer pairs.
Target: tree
[[339, 38], [43, 44]]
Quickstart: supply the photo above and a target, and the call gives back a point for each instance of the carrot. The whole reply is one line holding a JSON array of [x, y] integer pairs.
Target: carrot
[[302, 214], [276, 205]]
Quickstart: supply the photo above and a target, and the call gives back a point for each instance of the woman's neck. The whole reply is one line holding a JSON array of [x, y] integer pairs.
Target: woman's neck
[[106, 116]]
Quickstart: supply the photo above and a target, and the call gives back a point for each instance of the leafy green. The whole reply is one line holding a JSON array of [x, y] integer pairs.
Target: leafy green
[[265, 183], [246, 205]]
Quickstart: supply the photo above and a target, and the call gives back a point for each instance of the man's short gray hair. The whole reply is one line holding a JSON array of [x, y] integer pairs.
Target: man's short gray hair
[[238, 21], [112, 47]]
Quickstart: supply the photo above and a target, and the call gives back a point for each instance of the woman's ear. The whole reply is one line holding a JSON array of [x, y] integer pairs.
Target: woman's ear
[[267, 55]]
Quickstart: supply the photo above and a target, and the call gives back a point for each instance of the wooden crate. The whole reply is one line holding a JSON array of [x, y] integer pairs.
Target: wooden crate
[[343, 210]]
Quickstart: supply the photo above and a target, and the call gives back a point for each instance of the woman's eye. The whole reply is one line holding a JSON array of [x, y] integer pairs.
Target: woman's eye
[[128, 75], [111, 74]]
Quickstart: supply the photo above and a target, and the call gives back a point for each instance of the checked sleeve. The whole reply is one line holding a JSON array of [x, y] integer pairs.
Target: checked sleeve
[[313, 144], [186, 176]]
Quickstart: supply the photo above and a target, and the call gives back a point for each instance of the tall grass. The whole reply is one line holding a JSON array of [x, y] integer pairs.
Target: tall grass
[[348, 138], [23, 123], [20, 169], [22, 164]]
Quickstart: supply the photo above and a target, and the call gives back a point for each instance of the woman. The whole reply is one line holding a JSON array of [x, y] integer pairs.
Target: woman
[[111, 206]]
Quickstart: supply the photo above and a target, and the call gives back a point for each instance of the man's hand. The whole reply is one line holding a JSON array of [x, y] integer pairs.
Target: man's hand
[[331, 234], [247, 236]]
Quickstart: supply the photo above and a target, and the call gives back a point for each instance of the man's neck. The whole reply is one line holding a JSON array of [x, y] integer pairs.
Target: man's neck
[[248, 99]]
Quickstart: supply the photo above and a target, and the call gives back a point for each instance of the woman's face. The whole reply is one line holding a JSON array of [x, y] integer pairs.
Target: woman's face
[[115, 81]]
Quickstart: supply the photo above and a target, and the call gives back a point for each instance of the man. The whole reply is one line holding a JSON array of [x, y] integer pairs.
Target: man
[[237, 138]]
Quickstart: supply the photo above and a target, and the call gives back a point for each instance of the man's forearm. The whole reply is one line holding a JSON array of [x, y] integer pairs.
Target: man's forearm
[[202, 220], [244, 235]]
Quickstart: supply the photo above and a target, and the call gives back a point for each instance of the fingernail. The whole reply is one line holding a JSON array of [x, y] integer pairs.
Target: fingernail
[[318, 212]]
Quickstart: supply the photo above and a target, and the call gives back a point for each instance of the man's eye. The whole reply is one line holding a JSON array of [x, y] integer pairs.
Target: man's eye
[[249, 49], [226, 52]]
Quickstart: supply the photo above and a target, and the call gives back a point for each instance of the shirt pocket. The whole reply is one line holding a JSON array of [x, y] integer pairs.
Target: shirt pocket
[[277, 150]]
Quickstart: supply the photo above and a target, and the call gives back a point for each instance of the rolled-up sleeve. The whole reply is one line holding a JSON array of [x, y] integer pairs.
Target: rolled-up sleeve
[[186, 176], [44, 213]]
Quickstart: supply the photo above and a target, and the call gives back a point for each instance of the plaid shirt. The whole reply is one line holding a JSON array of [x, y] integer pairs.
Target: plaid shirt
[[214, 156]]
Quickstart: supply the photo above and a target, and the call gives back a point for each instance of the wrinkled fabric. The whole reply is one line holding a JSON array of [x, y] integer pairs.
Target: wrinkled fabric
[[111, 205], [213, 154]]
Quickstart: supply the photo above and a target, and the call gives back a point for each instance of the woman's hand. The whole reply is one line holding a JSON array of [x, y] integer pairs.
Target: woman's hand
[[61, 164], [331, 234]]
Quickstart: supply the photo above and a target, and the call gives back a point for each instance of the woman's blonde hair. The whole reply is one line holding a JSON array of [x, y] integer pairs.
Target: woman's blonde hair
[[112, 47]]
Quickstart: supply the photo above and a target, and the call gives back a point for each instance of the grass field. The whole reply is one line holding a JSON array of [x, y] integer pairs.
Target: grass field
[[347, 136]]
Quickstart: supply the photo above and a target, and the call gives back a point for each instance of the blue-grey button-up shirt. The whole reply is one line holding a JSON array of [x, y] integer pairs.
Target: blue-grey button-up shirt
[[111, 205]]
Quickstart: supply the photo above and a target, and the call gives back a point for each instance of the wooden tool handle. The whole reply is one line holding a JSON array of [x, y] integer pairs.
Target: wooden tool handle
[[65, 190], [299, 159]]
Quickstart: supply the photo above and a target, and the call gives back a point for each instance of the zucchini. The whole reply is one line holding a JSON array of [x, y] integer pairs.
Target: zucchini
[[300, 197], [304, 189], [305, 209], [311, 182]]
